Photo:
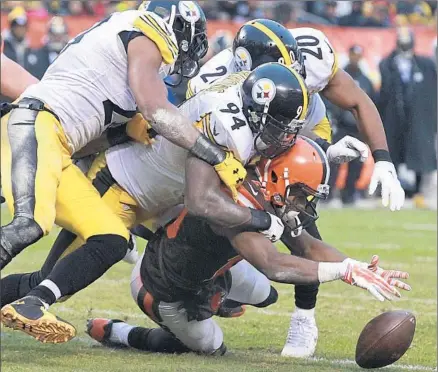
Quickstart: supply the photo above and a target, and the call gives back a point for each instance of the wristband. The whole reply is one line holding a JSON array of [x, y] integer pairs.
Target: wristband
[[207, 151], [330, 271], [323, 143], [381, 155], [260, 220]]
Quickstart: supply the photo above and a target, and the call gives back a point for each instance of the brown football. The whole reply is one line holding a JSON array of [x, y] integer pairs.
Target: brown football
[[385, 339]]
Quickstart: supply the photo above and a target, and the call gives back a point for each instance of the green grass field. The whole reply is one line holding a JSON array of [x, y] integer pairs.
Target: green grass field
[[404, 240]]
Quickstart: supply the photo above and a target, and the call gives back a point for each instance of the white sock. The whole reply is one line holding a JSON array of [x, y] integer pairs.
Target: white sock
[[120, 333], [305, 313], [52, 287]]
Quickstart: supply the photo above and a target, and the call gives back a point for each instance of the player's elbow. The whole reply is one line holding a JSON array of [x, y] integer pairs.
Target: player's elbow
[[201, 204]]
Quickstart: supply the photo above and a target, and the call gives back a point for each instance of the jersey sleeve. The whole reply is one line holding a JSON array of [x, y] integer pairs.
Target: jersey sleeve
[[152, 26], [229, 131], [320, 58]]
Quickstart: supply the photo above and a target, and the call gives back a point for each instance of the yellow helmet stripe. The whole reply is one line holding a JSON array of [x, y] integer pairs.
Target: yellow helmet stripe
[[283, 50], [305, 93]]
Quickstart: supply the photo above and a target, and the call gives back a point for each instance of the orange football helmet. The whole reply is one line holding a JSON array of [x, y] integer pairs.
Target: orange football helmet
[[296, 180]]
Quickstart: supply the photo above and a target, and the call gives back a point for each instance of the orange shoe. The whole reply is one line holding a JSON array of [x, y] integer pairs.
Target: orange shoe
[[99, 329]]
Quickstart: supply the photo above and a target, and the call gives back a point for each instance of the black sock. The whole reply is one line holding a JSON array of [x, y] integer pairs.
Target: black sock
[[16, 286], [305, 295], [85, 265], [156, 340]]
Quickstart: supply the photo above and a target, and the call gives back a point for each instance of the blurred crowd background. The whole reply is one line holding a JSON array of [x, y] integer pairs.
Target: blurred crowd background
[[344, 13], [380, 53]]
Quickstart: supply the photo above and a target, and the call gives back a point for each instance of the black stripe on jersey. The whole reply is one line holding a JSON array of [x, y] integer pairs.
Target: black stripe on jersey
[[153, 24], [127, 36], [103, 181]]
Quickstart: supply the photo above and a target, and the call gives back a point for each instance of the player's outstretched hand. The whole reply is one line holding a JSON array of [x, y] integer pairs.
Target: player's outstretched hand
[[393, 195], [359, 275], [232, 173], [391, 276]]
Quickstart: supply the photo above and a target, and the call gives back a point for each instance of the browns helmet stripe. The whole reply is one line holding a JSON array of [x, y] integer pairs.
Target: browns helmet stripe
[[323, 156]]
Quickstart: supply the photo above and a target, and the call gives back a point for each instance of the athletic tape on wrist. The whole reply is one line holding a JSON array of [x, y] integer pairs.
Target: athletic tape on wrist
[[207, 151]]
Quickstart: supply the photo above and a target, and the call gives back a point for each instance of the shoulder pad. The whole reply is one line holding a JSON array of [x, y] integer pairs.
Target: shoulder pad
[[154, 27], [319, 57]]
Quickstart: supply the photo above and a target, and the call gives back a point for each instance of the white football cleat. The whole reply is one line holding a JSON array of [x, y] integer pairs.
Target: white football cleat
[[302, 336]]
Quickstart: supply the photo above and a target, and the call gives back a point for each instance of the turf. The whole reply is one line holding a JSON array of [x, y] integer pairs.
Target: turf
[[404, 240]]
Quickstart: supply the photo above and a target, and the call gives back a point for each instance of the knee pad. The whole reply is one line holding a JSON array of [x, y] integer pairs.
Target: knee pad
[[272, 299], [109, 248]]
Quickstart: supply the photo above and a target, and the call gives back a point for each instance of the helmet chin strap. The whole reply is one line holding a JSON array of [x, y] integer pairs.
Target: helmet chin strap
[[172, 16]]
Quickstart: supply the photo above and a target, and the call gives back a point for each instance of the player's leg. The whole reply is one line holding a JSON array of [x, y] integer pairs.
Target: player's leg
[[81, 210], [118, 334], [250, 287], [302, 335], [32, 159], [15, 286]]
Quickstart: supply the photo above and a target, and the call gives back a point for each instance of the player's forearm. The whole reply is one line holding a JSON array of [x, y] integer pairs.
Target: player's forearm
[[370, 124], [343, 92], [205, 198], [14, 78], [310, 248]]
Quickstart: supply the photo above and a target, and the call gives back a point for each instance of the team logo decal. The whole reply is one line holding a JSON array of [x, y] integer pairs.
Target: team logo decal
[[189, 11], [264, 91], [243, 59]]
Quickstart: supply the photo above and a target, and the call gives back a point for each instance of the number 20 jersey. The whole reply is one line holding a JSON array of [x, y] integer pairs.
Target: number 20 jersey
[[319, 59], [87, 85]]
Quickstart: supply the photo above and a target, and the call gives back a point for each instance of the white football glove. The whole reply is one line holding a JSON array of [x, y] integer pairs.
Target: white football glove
[[346, 150], [393, 194], [357, 274], [276, 229], [391, 276]]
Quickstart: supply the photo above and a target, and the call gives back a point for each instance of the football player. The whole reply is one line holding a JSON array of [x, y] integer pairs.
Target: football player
[[249, 112], [102, 76], [310, 53], [185, 272]]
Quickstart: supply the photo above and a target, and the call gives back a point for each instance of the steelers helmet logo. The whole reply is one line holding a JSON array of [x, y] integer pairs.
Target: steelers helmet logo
[[264, 91], [243, 59], [189, 11]]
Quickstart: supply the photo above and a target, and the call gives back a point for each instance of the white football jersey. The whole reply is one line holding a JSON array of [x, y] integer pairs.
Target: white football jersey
[[154, 175], [224, 63], [87, 85], [319, 57]]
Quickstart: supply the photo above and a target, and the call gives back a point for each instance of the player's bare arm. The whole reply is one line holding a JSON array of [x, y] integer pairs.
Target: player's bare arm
[[14, 78], [289, 269], [203, 197], [310, 248], [345, 93], [151, 94]]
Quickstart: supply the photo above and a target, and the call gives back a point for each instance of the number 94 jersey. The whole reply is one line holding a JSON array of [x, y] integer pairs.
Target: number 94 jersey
[[218, 113]]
